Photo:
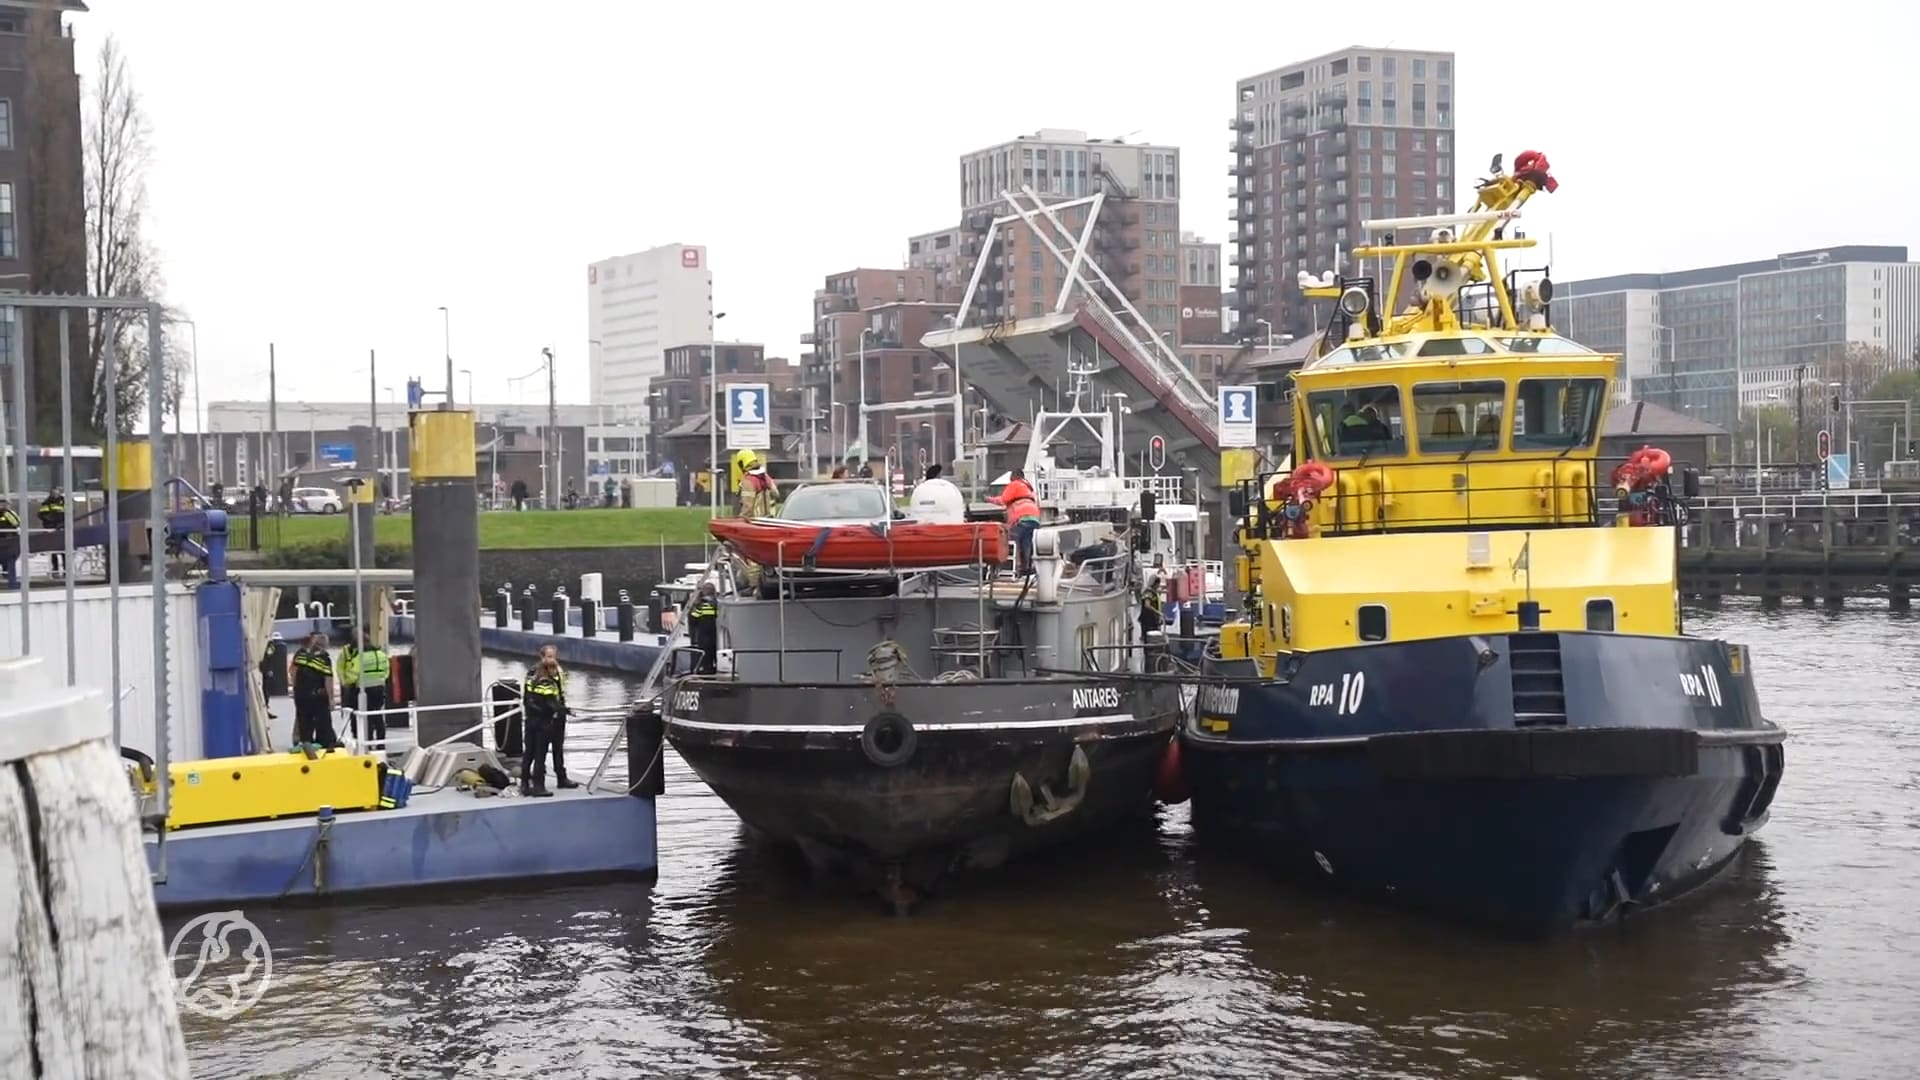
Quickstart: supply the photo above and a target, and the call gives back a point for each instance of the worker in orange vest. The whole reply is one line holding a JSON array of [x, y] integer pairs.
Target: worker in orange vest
[[1023, 518]]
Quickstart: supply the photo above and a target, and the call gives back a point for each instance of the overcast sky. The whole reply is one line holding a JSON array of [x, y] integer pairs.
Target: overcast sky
[[325, 182]]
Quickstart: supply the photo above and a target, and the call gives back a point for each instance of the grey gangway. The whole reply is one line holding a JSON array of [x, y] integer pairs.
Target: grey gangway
[[86, 986], [1014, 363]]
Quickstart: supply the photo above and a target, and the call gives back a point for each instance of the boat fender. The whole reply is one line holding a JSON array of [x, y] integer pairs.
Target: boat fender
[[888, 740], [1170, 780]]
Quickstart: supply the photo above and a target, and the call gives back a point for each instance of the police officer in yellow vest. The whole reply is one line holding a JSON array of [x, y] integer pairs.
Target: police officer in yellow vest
[[53, 515], [311, 672], [545, 702], [9, 543], [373, 671]]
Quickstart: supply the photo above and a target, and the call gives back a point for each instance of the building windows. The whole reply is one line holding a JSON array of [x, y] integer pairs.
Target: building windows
[[6, 124], [8, 247], [1389, 165], [1419, 68], [1388, 67], [1364, 64]]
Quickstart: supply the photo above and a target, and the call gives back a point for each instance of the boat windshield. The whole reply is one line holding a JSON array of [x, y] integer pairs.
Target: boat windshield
[[837, 502], [1554, 414], [1357, 422]]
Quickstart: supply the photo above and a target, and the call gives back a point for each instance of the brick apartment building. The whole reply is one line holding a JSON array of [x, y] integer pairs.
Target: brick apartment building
[[684, 396], [43, 234], [1318, 148], [887, 311]]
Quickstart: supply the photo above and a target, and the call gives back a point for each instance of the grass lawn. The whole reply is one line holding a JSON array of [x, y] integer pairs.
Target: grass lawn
[[504, 529]]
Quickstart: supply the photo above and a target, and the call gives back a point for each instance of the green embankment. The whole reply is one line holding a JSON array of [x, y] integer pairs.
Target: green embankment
[[499, 530]]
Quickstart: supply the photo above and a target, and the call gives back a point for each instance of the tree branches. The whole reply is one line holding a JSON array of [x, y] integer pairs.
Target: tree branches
[[120, 261]]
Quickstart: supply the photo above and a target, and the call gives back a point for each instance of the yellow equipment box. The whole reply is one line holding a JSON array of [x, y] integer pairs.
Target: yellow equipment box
[[218, 791]]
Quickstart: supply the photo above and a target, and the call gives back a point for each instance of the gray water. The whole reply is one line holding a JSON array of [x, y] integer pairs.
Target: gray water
[[1136, 958]]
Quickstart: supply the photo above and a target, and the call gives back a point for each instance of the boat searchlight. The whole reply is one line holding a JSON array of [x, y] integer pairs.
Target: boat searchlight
[[1354, 301]]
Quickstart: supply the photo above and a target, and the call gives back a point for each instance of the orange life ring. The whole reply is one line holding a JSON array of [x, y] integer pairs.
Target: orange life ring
[[1313, 474], [1643, 466]]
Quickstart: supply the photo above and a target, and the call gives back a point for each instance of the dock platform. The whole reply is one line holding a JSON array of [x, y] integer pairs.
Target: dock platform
[[438, 839], [604, 651]]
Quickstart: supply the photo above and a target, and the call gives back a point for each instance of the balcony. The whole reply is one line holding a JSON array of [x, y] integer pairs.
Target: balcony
[[1244, 259], [1241, 168], [1242, 211], [809, 338], [1243, 122], [1335, 124], [832, 303]]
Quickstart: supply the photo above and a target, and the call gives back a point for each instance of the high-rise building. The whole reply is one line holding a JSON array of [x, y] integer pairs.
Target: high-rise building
[[43, 237], [638, 307], [939, 251], [1136, 239], [1320, 147], [1714, 339]]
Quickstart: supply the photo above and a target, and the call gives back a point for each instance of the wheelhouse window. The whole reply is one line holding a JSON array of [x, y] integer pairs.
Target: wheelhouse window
[[1372, 622], [1364, 354], [1600, 615], [1555, 414], [1460, 416], [1358, 422], [1457, 346], [1546, 346]]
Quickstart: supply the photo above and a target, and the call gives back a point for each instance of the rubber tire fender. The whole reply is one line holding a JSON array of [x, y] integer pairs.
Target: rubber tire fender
[[905, 739]]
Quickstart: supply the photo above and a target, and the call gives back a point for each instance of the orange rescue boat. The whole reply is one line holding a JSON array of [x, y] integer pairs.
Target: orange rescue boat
[[902, 545]]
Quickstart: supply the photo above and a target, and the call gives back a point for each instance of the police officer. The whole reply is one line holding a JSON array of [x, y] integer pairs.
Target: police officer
[[703, 627], [374, 669], [312, 676], [9, 543], [1150, 609], [347, 673], [544, 699], [53, 515]]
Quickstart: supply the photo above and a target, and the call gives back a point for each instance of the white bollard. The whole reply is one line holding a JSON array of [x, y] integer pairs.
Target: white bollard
[[86, 987], [590, 588]]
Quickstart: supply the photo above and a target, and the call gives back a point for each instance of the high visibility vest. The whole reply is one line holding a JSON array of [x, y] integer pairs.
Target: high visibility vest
[[349, 666], [538, 682], [375, 667]]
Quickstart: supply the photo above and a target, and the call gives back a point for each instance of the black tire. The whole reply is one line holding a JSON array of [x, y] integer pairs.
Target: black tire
[[889, 740]]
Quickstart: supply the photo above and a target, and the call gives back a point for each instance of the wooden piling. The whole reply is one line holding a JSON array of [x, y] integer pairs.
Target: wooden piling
[[86, 987]]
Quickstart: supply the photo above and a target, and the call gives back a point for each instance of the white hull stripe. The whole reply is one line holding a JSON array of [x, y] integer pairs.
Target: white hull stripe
[[958, 725]]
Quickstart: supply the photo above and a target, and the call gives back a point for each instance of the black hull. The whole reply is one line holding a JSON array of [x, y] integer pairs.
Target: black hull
[[1534, 781], [815, 780]]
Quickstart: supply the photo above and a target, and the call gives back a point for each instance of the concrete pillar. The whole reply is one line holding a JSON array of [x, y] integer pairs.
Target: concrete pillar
[[446, 581]]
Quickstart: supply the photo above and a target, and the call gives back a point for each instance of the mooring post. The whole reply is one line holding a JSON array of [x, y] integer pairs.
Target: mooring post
[[502, 608], [589, 616], [623, 617], [558, 617], [86, 986], [446, 587], [529, 610]]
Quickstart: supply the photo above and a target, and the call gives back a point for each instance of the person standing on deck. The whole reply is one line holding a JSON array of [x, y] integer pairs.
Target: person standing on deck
[[9, 544], [1150, 610], [703, 627], [53, 515], [347, 672], [374, 669], [544, 700], [1023, 518], [311, 673]]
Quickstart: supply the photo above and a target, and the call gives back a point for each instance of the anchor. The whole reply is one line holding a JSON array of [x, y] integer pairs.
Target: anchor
[[1051, 807]]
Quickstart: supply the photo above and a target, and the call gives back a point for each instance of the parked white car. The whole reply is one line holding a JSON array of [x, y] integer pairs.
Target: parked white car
[[316, 501]]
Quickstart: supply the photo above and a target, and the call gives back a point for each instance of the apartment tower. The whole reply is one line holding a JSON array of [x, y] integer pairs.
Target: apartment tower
[[1320, 147], [638, 307]]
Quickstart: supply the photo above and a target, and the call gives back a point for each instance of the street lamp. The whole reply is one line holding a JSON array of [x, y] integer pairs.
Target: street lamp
[[866, 451], [713, 420], [1120, 433], [1759, 414], [468, 372], [446, 347], [1269, 326]]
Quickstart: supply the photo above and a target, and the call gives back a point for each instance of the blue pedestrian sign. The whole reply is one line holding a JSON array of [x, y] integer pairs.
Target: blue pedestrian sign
[[338, 455], [747, 425], [1237, 417], [415, 394]]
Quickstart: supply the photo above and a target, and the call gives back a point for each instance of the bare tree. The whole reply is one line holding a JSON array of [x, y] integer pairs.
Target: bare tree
[[120, 261]]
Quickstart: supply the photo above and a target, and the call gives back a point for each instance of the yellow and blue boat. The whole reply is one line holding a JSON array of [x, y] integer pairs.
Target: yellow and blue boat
[[1462, 679]]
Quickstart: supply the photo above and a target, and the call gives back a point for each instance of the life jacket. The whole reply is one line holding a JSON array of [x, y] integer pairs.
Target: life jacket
[[1014, 491], [1021, 509]]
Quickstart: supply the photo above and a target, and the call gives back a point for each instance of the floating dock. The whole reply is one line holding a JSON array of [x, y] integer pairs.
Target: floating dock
[[441, 838]]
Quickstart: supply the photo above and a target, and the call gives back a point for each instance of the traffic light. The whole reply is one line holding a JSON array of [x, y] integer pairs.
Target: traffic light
[[1824, 443], [1836, 403], [1913, 448], [1157, 452]]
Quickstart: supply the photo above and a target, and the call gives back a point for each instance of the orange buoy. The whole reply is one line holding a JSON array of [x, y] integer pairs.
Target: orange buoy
[[1170, 780]]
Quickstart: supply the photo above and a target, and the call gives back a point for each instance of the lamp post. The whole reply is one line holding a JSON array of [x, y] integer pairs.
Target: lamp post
[[1269, 326], [549, 450], [446, 347], [1120, 431], [468, 372], [713, 421], [866, 451], [1759, 414]]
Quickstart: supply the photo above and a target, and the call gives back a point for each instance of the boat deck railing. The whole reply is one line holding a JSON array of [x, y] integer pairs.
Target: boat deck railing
[[1097, 576]]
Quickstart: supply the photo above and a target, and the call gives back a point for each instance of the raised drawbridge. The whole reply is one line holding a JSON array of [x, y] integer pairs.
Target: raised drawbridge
[[1015, 362]]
